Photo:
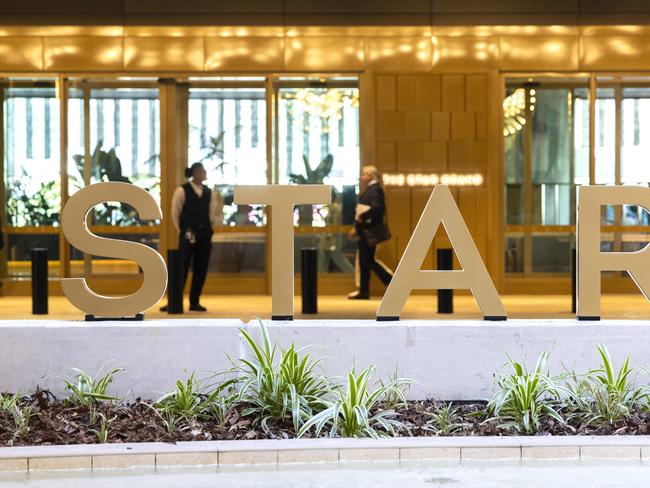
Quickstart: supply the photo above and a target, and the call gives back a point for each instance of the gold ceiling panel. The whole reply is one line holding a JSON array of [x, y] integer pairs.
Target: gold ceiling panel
[[21, 53], [82, 53], [62, 30], [244, 54], [201, 30], [163, 53], [615, 52], [324, 53], [359, 31], [464, 54], [539, 53], [508, 30], [398, 54]]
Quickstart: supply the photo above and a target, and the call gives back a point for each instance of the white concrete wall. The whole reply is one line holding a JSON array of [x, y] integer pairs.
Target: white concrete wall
[[448, 359]]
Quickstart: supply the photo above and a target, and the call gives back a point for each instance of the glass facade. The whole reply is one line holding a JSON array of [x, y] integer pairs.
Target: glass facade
[[547, 155], [245, 130]]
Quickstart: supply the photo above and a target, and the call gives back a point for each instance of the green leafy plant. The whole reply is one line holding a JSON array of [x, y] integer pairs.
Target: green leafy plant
[[185, 401], [355, 412], [102, 431], [20, 413], [86, 390], [189, 402], [21, 417], [32, 207], [280, 389], [106, 166], [604, 395], [524, 398], [313, 177], [393, 399], [445, 420]]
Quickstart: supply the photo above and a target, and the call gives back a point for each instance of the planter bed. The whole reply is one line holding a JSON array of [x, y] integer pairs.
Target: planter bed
[[53, 422]]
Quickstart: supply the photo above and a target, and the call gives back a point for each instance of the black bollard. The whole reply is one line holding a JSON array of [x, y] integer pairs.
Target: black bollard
[[309, 279], [39, 282], [175, 283], [445, 297], [573, 280]]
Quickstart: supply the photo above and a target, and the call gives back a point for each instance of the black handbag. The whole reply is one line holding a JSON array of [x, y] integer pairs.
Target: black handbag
[[376, 234]]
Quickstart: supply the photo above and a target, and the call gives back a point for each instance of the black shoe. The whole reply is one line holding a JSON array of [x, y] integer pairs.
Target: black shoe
[[198, 308], [163, 309], [357, 295]]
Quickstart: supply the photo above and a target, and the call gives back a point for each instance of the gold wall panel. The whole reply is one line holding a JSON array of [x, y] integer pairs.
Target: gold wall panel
[[463, 54], [83, 53], [163, 53], [539, 53], [398, 54], [324, 53], [244, 54], [21, 54], [615, 52]]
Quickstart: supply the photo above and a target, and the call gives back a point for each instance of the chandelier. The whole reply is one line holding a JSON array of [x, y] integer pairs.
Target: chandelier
[[514, 111], [325, 104]]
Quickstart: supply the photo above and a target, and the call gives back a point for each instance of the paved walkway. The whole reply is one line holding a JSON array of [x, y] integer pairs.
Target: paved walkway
[[247, 307]]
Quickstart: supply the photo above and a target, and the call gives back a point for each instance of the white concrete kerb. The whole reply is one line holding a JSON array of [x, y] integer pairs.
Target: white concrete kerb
[[281, 452]]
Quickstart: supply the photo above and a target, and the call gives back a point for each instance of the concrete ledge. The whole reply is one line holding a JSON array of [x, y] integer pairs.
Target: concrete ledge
[[448, 359], [284, 452]]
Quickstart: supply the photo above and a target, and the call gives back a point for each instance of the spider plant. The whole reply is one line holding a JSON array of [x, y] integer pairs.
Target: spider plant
[[184, 401], [189, 401], [353, 412], [392, 399], [102, 431], [445, 420], [86, 390], [8, 402], [605, 395], [279, 385], [524, 398]]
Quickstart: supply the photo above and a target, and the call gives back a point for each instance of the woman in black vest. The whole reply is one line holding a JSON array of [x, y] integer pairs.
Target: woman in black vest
[[193, 210], [372, 214]]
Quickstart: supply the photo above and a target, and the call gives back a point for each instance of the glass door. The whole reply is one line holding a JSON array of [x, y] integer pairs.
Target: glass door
[[317, 141], [31, 173], [227, 133], [114, 136]]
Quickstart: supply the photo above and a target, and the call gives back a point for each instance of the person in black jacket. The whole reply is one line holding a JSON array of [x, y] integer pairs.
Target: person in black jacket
[[371, 212], [193, 211]]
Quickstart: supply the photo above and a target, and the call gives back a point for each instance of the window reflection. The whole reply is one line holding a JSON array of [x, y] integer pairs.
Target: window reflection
[[227, 133]]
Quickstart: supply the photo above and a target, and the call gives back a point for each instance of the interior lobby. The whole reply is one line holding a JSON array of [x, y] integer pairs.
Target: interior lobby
[[514, 105]]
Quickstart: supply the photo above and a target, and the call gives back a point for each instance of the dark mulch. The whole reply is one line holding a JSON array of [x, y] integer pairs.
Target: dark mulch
[[55, 422]]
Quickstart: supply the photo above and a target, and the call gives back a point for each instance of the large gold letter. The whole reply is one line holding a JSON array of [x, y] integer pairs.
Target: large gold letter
[[75, 229], [591, 261], [441, 208], [282, 198]]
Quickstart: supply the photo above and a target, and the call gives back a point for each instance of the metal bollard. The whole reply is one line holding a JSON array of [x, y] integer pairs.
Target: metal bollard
[[309, 279], [39, 282], [445, 297], [175, 284], [574, 270]]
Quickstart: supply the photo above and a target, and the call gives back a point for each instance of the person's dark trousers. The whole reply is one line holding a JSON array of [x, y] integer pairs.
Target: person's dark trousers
[[367, 264], [198, 256]]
